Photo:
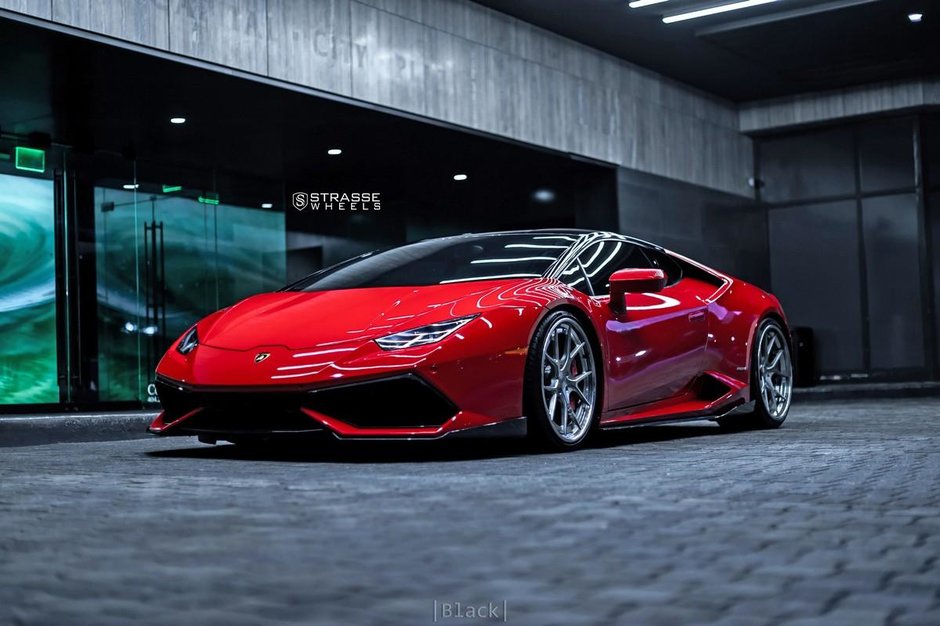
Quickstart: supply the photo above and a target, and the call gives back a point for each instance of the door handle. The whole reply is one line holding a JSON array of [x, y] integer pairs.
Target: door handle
[[697, 316]]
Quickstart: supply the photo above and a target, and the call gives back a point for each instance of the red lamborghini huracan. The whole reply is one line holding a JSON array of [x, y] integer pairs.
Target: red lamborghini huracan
[[551, 332]]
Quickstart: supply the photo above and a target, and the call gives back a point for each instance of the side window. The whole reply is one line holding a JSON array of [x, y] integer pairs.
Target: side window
[[575, 277], [667, 264], [605, 257]]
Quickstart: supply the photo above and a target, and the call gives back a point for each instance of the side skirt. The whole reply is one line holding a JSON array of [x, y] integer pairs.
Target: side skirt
[[741, 407]]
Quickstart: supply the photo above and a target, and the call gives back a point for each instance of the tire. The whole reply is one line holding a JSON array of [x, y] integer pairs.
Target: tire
[[562, 411], [771, 379]]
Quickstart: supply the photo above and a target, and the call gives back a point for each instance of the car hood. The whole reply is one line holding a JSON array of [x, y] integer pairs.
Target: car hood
[[303, 320]]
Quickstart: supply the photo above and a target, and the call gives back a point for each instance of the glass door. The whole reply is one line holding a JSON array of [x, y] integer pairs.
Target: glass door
[[167, 255]]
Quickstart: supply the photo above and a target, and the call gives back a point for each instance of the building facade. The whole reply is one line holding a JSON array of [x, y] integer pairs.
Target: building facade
[[133, 226]]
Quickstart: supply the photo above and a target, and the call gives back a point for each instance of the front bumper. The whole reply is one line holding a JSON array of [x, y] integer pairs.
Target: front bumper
[[400, 406]]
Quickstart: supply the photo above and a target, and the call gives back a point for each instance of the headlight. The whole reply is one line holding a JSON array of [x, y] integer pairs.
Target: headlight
[[432, 333], [189, 342]]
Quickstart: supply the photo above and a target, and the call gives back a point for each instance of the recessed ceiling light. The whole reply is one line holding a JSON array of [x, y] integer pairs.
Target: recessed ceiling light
[[460, 177], [915, 17], [636, 4], [721, 8], [130, 186], [334, 151], [177, 120], [267, 205], [543, 195]]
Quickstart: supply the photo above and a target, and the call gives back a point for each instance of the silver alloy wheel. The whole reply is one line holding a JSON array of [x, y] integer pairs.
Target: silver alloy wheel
[[774, 371], [569, 382]]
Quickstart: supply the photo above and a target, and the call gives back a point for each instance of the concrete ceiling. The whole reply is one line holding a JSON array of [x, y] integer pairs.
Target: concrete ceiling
[[774, 49]]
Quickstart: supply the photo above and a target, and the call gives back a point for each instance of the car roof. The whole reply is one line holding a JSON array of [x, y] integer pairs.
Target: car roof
[[584, 235]]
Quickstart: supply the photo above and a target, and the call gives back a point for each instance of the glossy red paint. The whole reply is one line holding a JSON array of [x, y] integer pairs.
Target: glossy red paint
[[675, 351]]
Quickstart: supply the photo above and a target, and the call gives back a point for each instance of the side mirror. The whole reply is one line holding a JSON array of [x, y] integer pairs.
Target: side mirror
[[627, 281]]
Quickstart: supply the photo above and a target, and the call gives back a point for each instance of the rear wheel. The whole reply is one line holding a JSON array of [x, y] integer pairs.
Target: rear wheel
[[561, 383], [771, 379]]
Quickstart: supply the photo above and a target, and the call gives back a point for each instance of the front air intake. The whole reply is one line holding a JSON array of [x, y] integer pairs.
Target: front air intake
[[400, 402], [405, 401]]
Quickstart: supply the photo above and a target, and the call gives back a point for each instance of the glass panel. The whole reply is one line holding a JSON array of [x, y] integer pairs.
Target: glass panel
[[814, 264], [886, 154], [166, 261], [118, 259], [28, 364], [808, 166], [896, 327]]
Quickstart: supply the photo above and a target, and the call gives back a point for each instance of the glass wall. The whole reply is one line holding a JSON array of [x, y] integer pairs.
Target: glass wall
[[163, 260], [28, 358], [847, 245], [144, 225]]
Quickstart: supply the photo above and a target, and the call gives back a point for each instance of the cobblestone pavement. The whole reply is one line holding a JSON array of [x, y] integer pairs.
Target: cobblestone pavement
[[834, 519]]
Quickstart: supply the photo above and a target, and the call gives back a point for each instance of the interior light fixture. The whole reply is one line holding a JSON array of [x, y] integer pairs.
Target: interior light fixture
[[267, 205], [915, 17], [334, 151], [172, 188], [637, 4], [460, 177], [721, 8], [177, 120], [543, 195], [131, 186]]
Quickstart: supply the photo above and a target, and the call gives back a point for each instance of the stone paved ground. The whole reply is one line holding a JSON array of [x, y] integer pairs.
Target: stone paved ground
[[835, 519]]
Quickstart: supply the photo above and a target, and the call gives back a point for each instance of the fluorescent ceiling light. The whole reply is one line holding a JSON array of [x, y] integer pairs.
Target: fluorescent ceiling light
[[721, 8], [267, 205], [915, 17], [130, 186], [460, 177], [177, 120], [334, 152], [636, 4], [779, 16]]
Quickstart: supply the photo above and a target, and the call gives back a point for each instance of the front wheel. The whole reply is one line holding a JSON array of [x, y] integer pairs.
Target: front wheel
[[771, 379], [561, 383]]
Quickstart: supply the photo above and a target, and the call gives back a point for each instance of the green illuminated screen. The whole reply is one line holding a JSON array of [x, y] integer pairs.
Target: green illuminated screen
[[27, 291]]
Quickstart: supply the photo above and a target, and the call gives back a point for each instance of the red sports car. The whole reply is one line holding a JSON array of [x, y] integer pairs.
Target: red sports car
[[554, 333]]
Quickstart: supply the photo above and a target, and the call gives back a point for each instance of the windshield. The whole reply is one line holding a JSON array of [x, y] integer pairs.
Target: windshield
[[448, 260]]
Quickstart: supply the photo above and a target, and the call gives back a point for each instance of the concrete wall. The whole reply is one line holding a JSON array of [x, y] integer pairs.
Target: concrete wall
[[832, 106], [451, 60]]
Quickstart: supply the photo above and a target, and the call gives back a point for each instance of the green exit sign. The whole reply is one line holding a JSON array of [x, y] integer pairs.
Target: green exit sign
[[30, 159]]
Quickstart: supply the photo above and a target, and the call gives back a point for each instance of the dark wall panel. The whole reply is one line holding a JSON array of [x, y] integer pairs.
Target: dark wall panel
[[886, 154], [933, 217], [816, 275], [930, 148], [806, 166], [896, 328], [718, 229], [846, 242]]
